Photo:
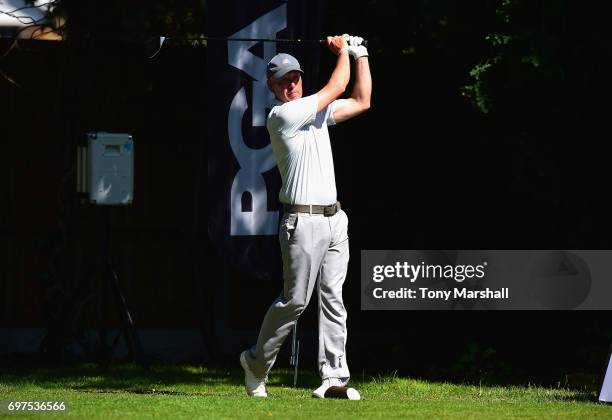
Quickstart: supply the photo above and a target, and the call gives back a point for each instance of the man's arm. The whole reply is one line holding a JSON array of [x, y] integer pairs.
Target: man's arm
[[341, 74], [359, 101]]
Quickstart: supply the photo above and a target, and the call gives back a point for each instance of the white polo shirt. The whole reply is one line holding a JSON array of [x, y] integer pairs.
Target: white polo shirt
[[300, 142]]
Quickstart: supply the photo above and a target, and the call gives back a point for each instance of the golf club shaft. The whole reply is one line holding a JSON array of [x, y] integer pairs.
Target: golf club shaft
[[295, 354], [279, 40]]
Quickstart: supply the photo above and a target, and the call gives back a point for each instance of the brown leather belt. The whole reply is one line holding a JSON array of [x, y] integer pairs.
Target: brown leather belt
[[326, 211]]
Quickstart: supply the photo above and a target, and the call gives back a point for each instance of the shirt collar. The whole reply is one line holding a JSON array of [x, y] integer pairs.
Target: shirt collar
[[274, 102]]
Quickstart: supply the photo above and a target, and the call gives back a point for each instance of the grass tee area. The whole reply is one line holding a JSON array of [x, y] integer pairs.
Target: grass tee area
[[127, 391]]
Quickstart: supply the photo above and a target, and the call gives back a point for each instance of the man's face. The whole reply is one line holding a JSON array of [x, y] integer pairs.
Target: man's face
[[287, 88]]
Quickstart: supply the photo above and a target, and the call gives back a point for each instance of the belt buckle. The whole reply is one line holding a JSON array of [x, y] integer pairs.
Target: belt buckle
[[310, 209]]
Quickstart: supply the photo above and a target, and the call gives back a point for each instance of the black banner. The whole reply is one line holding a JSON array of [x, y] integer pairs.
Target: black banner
[[243, 181]]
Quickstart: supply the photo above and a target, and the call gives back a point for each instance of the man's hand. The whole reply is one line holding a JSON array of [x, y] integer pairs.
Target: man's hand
[[359, 101], [355, 47], [337, 44]]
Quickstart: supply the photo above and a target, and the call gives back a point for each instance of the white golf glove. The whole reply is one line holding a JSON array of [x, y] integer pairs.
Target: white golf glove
[[355, 48]]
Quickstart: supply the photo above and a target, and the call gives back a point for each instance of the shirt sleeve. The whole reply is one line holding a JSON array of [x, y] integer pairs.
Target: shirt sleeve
[[329, 113], [292, 116]]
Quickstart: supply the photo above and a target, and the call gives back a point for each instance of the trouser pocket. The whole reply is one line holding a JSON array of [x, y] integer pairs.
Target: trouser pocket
[[289, 227]]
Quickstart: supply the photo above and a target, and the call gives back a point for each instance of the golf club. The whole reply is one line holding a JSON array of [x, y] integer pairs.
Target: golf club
[[281, 40]]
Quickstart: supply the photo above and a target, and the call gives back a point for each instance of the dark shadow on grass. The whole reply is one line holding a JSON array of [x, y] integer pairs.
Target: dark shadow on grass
[[144, 392], [130, 377], [122, 376], [305, 379], [134, 379]]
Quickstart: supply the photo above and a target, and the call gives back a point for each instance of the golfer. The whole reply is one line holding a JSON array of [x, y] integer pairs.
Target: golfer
[[313, 230]]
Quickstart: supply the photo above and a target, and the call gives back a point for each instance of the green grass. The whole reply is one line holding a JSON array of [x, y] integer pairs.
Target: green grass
[[126, 391]]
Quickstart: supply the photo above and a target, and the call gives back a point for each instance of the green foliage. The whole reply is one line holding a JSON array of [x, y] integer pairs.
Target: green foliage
[[557, 44], [499, 39], [476, 92], [134, 22]]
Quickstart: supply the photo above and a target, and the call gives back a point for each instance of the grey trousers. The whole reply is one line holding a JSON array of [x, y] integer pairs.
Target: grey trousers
[[315, 251]]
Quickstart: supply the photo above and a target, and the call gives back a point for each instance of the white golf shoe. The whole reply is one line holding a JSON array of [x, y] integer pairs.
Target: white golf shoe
[[327, 382], [254, 386]]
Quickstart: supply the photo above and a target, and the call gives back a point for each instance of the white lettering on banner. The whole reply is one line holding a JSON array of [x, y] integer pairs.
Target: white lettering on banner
[[253, 162]]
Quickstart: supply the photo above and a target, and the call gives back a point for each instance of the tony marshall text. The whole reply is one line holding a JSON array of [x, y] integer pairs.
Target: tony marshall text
[[425, 293]]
